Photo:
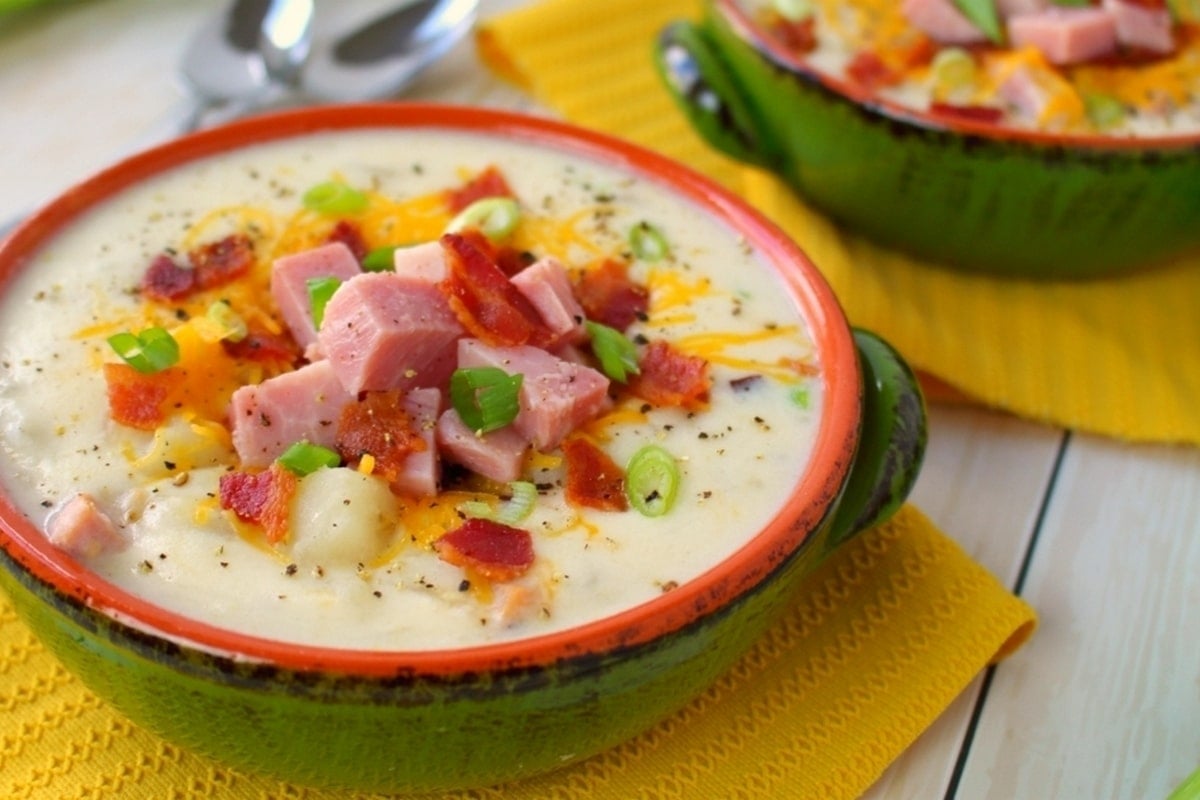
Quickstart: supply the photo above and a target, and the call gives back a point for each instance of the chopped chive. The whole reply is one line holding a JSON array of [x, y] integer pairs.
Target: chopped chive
[[381, 259], [304, 458], [333, 197], [953, 69], [486, 398], [319, 292], [233, 326], [652, 481], [1104, 110], [617, 355], [984, 15], [150, 351], [494, 217], [516, 508], [648, 242]]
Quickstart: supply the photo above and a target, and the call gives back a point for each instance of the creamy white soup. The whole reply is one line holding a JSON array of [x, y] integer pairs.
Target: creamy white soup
[[1117, 67], [173, 498]]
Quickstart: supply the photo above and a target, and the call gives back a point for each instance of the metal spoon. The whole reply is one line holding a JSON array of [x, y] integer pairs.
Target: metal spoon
[[385, 54], [285, 38], [221, 66]]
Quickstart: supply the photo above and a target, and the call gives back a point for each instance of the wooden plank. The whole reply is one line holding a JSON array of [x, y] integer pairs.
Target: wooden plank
[[982, 483], [1104, 701]]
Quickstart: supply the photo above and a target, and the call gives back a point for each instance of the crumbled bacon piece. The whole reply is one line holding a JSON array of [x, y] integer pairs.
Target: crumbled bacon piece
[[350, 235], [136, 398], [489, 183], [797, 36], [496, 551], [378, 425], [165, 281], [968, 113], [260, 498], [593, 479], [609, 296], [870, 71], [263, 347], [222, 261], [671, 378], [486, 303]]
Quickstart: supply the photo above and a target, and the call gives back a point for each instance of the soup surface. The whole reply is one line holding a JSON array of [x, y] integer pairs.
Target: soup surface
[[1118, 67], [157, 474]]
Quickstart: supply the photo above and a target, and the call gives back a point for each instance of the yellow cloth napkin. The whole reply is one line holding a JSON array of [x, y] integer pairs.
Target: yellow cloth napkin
[[1119, 357], [879, 641]]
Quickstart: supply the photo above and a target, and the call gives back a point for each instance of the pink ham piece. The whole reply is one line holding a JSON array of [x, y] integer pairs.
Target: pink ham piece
[[387, 331], [82, 529], [942, 21], [557, 396], [547, 287], [497, 454], [1011, 8], [426, 262], [422, 468], [1142, 27], [1066, 35], [269, 417], [289, 284]]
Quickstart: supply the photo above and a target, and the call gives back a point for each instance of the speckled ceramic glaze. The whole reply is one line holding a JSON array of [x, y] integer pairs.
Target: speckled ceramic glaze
[[430, 720], [972, 196]]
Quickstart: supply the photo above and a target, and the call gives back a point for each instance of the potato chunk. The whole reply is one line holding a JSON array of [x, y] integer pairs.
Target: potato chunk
[[340, 517]]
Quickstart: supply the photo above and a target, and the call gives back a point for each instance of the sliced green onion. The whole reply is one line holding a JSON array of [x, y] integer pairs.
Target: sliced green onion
[[494, 217], [381, 259], [983, 13], [800, 398], [303, 458], [510, 512], [652, 481], [150, 351], [952, 69], [319, 292], [486, 398], [231, 322], [793, 10], [1104, 110], [334, 197], [648, 242], [617, 355]]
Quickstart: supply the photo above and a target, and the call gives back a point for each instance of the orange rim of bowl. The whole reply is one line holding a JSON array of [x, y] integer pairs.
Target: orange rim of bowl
[[866, 98], [803, 511]]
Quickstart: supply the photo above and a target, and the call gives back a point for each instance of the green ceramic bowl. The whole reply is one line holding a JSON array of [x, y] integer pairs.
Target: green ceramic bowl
[[434, 720], [971, 196]]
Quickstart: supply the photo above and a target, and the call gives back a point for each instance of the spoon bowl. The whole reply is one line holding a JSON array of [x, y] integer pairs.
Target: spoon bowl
[[382, 56]]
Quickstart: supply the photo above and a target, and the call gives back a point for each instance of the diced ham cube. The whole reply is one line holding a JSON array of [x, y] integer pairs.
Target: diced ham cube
[[387, 331], [1066, 35], [1141, 26], [303, 405], [82, 529], [497, 454], [547, 286], [422, 468], [942, 21], [1011, 8], [289, 284], [424, 261], [557, 396]]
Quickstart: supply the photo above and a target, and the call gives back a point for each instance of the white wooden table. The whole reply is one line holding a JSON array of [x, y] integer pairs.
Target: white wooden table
[[1103, 538]]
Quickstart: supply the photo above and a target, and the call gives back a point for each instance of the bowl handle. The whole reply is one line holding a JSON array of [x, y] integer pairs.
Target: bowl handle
[[700, 84], [891, 444]]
